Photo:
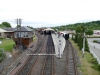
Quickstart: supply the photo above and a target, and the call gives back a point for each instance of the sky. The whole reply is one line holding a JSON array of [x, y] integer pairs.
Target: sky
[[49, 13]]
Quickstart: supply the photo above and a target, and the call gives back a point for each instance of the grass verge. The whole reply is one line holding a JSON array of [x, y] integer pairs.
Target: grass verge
[[34, 38], [86, 65], [7, 44]]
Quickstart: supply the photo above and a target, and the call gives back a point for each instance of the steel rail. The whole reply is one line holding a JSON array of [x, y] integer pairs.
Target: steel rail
[[71, 68]]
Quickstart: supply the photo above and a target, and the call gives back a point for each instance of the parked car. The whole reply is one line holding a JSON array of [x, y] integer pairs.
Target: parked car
[[98, 41]]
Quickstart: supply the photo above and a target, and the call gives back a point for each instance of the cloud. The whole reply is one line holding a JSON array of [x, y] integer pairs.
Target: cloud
[[49, 12]]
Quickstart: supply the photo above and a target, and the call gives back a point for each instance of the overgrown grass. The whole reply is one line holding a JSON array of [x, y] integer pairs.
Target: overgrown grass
[[86, 65], [34, 38], [7, 44]]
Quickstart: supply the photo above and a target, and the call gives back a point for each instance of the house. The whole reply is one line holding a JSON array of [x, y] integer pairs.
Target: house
[[97, 32], [2, 33], [23, 37], [9, 33]]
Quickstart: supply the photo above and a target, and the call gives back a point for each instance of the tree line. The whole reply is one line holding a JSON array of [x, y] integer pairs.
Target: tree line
[[93, 25]]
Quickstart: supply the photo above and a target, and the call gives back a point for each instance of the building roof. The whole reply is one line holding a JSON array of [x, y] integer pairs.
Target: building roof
[[24, 28], [49, 29], [9, 29], [2, 30]]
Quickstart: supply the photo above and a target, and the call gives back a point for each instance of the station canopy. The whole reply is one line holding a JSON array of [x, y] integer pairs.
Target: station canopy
[[49, 29]]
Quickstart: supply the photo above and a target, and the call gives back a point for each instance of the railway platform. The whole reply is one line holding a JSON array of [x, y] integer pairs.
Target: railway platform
[[59, 43]]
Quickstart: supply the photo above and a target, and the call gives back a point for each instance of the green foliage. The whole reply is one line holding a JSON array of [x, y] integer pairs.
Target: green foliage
[[80, 41], [76, 38], [78, 29], [95, 41], [96, 65], [7, 44], [1, 26], [6, 24], [94, 61], [2, 55], [30, 27], [99, 67], [94, 25], [86, 46], [89, 32], [18, 26]]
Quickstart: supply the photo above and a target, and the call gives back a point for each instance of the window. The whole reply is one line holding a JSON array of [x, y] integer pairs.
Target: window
[[0, 34]]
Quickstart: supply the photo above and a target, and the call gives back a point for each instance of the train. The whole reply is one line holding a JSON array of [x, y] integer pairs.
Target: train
[[50, 31], [65, 35], [45, 31]]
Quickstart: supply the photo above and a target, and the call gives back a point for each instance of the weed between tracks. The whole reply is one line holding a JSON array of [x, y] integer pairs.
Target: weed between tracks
[[86, 66]]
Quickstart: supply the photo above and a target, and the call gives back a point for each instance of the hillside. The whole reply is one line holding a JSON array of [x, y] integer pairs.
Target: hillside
[[93, 25]]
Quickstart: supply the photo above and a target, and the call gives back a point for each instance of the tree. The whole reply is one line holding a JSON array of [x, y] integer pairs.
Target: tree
[[86, 46], [89, 32], [78, 29], [30, 27], [76, 38], [18, 26], [1, 25], [6, 24]]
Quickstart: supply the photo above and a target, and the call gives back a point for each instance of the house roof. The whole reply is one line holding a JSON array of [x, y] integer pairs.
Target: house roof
[[9, 29], [2, 30], [24, 28]]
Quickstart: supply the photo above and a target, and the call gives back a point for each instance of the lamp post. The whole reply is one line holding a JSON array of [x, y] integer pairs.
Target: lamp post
[[83, 44]]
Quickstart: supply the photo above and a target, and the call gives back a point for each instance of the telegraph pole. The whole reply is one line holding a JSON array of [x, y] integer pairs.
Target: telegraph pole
[[17, 31], [19, 21], [20, 30]]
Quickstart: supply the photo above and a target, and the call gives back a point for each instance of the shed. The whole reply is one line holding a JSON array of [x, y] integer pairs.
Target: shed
[[2, 33], [9, 33]]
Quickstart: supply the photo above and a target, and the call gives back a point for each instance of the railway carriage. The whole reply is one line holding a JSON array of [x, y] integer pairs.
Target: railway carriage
[[65, 35]]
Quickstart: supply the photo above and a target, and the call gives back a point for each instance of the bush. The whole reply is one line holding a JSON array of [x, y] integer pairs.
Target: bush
[[1, 38], [94, 61], [99, 67], [95, 41], [2, 56]]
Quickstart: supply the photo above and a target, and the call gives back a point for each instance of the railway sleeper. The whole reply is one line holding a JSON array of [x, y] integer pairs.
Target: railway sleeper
[[71, 73]]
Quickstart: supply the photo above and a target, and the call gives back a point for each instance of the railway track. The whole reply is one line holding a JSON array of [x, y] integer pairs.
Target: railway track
[[23, 65], [36, 67], [25, 70], [48, 65], [70, 60]]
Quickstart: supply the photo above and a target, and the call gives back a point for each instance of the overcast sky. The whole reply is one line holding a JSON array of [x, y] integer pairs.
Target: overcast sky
[[47, 13]]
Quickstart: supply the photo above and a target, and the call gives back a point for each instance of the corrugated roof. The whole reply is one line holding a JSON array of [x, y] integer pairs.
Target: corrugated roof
[[2, 30], [9, 29]]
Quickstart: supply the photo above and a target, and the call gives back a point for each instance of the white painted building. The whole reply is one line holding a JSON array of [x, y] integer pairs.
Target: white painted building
[[96, 32], [2, 33]]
